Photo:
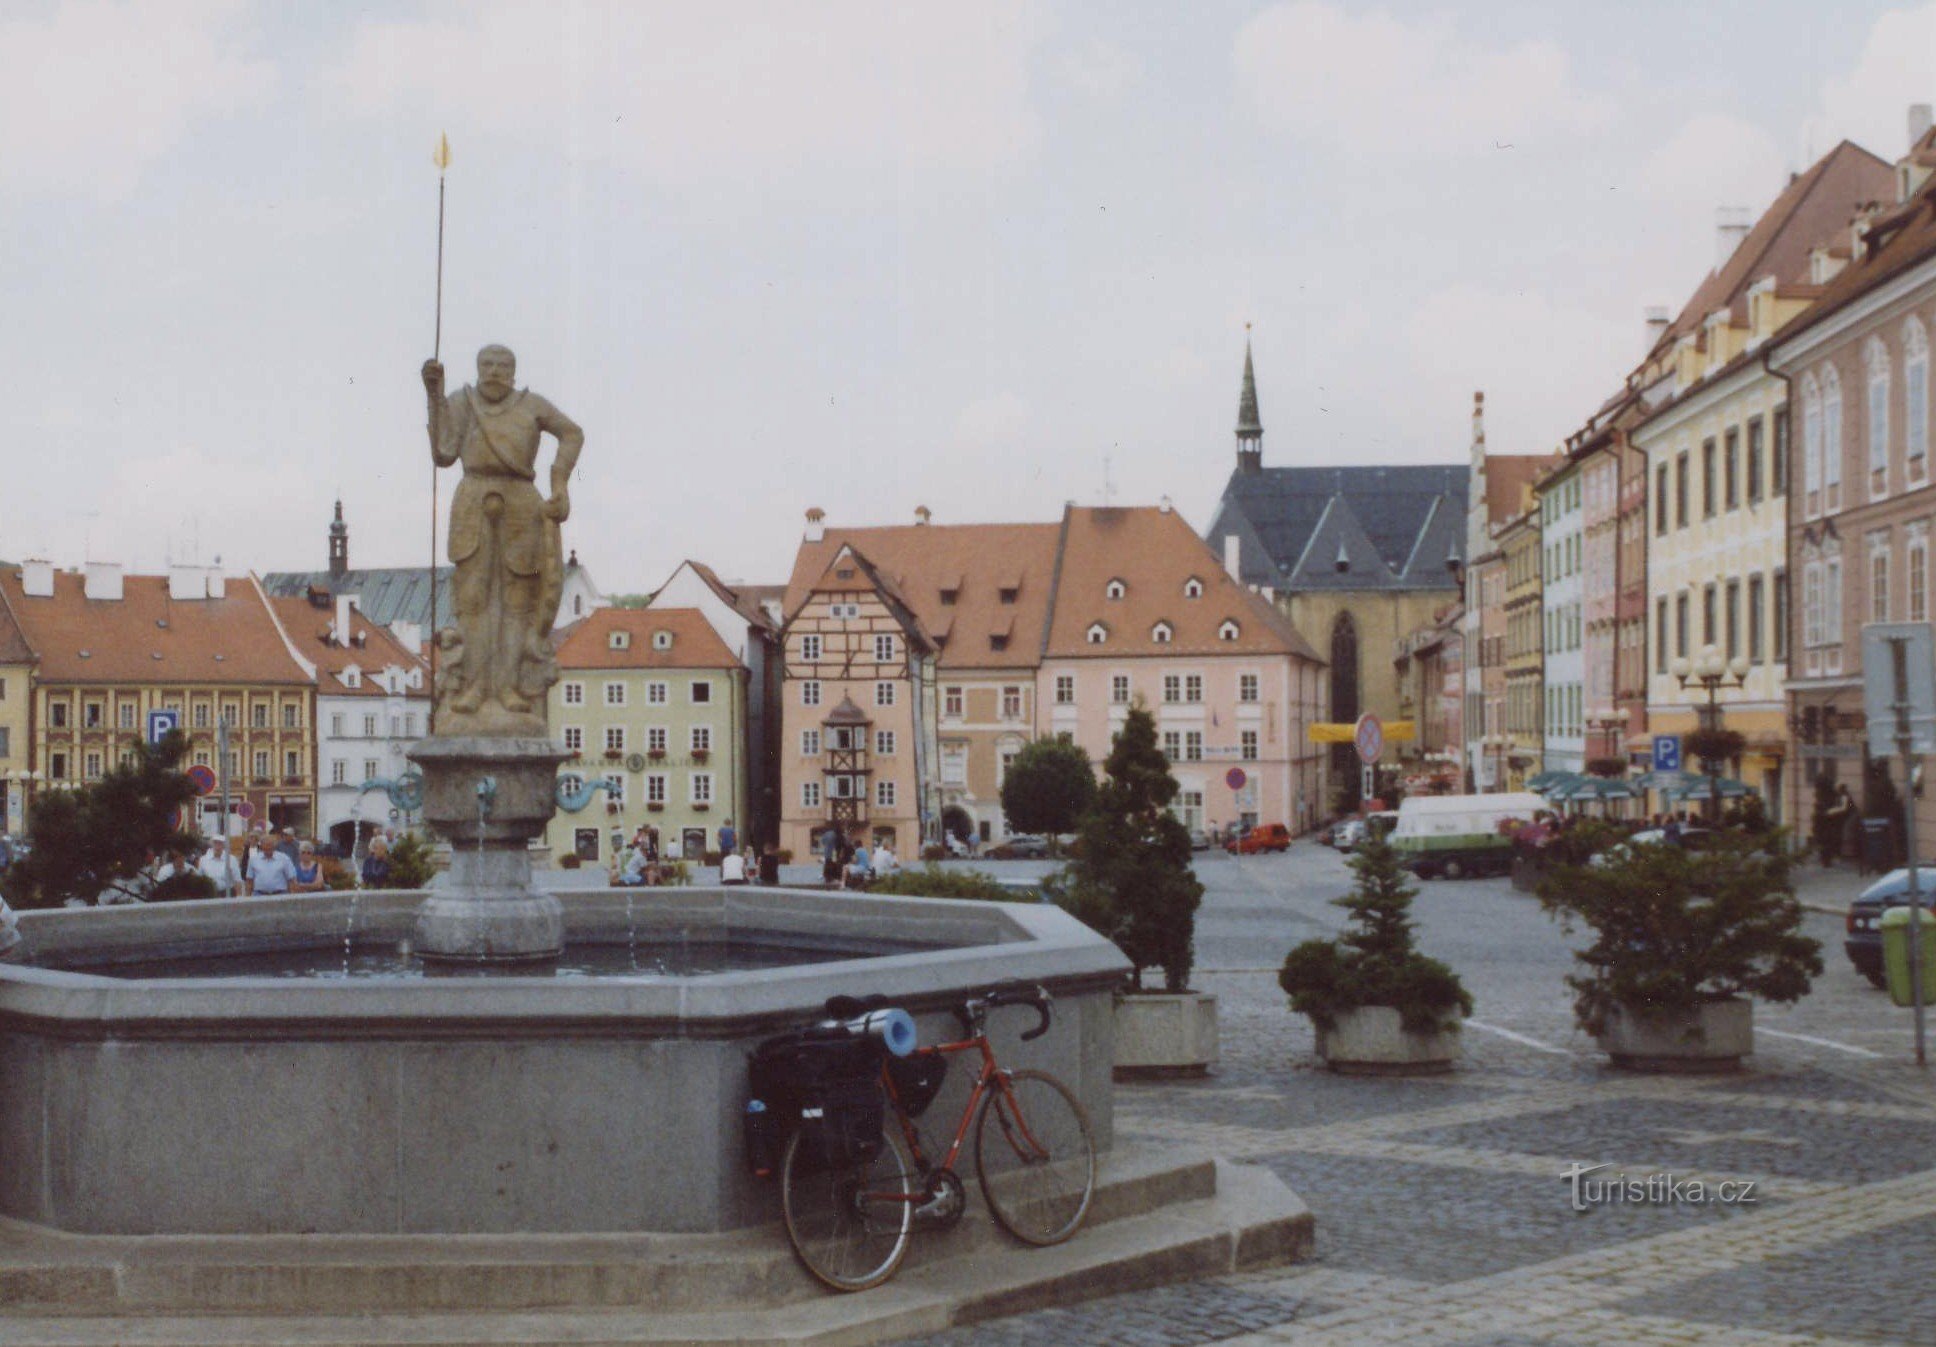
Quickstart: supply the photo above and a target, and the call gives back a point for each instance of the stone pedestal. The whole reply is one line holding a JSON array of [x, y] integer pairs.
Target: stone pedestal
[[488, 798]]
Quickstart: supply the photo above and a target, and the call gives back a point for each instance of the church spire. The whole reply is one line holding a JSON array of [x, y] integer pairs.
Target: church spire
[[1250, 427], [339, 545]]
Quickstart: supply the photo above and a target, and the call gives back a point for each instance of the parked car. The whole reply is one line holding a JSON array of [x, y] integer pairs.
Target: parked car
[[1348, 834], [1451, 836], [1199, 840], [957, 847], [1264, 837], [1692, 838], [1862, 940], [1020, 847]]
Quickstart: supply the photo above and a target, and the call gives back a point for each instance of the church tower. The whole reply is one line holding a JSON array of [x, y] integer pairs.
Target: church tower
[[1250, 429], [339, 545]]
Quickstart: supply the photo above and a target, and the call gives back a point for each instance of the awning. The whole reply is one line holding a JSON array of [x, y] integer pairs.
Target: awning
[[1330, 732]]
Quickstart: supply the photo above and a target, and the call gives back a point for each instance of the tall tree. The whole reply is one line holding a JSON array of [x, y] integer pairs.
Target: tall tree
[[95, 839], [1048, 788], [1131, 876]]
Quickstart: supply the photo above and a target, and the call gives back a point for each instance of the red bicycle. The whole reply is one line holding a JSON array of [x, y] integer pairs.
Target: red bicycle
[[850, 1219]]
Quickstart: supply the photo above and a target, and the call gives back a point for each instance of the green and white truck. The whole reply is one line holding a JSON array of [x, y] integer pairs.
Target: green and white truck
[[1452, 836]]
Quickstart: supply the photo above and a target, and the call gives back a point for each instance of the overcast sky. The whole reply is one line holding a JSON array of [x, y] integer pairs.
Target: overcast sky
[[858, 255]]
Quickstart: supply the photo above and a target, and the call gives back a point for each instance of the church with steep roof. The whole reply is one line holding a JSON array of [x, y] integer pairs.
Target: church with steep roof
[[1356, 557]]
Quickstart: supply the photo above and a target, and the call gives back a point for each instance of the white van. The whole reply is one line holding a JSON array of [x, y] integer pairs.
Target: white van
[[1457, 835]]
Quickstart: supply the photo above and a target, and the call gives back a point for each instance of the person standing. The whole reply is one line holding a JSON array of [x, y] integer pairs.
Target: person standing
[[830, 857], [376, 865], [770, 864], [270, 872], [221, 870], [732, 868], [728, 838], [309, 871]]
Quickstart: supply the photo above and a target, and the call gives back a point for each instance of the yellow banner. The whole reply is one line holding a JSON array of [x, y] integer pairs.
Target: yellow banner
[[1396, 732]]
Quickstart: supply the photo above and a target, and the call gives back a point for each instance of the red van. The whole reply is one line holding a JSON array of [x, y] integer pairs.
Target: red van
[[1264, 837]]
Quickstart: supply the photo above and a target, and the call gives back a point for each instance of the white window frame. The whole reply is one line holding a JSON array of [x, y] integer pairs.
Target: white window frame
[[1119, 689], [1832, 441], [884, 648], [1915, 401], [1065, 689], [810, 648], [810, 692], [1012, 708], [701, 738], [810, 795], [658, 694], [1115, 589], [884, 743], [655, 739], [655, 788], [1172, 689], [1249, 688], [809, 743], [1879, 577], [614, 693], [574, 738], [699, 787], [1193, 588], [1097, 633], [884, 692], [953, 703], [884, 794], [614, 738], [1162, 633], [1875, 360], [1193, 689]]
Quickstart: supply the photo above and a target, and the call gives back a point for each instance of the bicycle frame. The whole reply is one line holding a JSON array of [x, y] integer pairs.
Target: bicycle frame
[[990, 1077]]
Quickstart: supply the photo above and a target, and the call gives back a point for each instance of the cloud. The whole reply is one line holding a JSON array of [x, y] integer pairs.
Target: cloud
[[92, 93], [1715, 159], [1543, 366], [1376, 84], [1869, 104], [991, 422], [680, 93], [1101, 69]]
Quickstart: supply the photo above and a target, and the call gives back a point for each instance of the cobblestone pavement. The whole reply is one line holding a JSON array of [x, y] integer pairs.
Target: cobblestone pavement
[[1445, 1218]]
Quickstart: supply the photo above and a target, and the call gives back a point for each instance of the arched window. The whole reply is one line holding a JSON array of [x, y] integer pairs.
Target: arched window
[[662, 640], [1812, 444], [1344, 688], [1875, 360], [1098, 633], [1162, 633], [1915, 399], [1831, 439]]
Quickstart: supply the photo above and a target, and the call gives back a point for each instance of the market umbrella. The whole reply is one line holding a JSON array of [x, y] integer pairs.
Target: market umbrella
[[1540, 782], [1596, 788], [1667, 782], [1726, 787]]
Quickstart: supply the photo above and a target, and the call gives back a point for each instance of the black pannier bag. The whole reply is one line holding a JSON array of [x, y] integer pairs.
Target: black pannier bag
[[828, 1086], [917, 1078]]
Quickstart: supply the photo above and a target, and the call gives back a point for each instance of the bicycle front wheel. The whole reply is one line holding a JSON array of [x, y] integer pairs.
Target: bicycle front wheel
[[849, 1224], [1036, 1157]]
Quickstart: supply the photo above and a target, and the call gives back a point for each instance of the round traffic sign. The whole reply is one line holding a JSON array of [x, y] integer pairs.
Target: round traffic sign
[[203, 778], [245, 810], [1370, 738], [1235, 778]]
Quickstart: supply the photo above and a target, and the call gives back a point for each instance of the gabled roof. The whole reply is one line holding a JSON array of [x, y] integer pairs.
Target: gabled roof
[[587, 644], [147, 637], [974, 561], [1275, 511], [1154, 552], [386, 595], [14, 648], [1815, 204], [746, 600], [846, 714], [310, 628], [1507, 477], [1899, 239]]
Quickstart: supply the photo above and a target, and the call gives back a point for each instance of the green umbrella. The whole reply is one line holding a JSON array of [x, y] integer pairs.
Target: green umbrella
[[1539, 782], [1725, 787], [1596, 788]]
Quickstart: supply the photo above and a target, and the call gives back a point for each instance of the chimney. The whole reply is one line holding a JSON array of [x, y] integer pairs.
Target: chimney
[[922, 514], [1233, 555], [186, 582], [103, 580], [409, 635], [1478, 419], [1919, 117], [1730, 228], [37, 579], [816, 524], [1657, 320], [218, 585], [1163, 504], [342, 627]]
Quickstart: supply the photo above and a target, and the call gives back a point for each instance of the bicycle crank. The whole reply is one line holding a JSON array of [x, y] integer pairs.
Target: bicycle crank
[[946, 1200]]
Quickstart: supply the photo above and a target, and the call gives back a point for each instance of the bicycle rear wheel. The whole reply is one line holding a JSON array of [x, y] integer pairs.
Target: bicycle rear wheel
[[1036, 1157], [849, 1224]]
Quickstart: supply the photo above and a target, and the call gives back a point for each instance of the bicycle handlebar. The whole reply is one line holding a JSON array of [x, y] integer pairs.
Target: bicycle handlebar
[[974, 1011]]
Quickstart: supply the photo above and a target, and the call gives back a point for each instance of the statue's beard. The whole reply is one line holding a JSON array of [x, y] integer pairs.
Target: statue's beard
[[494, 390]]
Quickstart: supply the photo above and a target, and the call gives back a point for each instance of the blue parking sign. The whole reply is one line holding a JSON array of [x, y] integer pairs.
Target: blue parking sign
[[1667, 753], [160, 723]]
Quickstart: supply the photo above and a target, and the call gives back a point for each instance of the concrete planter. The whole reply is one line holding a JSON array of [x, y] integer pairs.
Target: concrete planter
[[1711, 1038], [1371, 1041], [1165, 1034]]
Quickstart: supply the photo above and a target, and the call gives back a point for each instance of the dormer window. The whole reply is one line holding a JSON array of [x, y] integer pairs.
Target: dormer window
[[662, 640], [1193, 588], [998, 642], [621, 640], [1162, 633], [948, 596], [352, 677], [1009, 593], [1229, 631], [1115, 589], [1097, 633]]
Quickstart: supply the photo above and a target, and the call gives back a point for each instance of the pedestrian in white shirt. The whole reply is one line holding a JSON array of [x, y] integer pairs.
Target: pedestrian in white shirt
[[219, 867], [885, 861], [732, 868]]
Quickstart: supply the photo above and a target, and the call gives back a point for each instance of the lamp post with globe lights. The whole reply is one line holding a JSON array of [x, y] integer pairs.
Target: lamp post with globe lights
[[1713, 672]]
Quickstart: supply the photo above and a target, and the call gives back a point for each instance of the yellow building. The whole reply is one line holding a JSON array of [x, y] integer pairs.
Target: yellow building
[[1519, 543], [16, 721], [651, 702], [191, 647]]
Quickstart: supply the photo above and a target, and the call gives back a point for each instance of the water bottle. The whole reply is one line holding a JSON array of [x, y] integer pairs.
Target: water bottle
[[760, 1139]]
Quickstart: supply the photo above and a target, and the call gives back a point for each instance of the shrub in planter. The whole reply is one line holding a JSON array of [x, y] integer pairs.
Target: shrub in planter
[[1675, 930], [1131, 878], [934, 852], [569, 861], [1375, 963], [786, 855], [411, 863], [931, 881], [1718, 747], [1610, 768]]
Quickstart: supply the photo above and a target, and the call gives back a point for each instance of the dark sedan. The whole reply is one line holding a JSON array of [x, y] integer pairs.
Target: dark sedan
[[1863, 941]]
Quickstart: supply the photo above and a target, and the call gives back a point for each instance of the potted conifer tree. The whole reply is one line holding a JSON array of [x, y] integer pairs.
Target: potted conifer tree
[[1379, 1006], [1681, 941], [1131, 880]]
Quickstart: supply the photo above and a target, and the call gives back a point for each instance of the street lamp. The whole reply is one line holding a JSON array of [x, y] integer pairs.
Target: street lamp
[[1712, 672]]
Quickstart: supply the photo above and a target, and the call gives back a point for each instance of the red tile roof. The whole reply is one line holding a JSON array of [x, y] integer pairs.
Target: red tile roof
[[372, 648], [1506, 477], [1899, 239], [147, 637], [695, 645]]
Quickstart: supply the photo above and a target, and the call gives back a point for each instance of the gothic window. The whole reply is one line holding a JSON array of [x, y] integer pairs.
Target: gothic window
[[1344, 684]]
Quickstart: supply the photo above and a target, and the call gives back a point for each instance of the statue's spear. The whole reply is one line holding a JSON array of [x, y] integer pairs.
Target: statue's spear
[[442, 159]]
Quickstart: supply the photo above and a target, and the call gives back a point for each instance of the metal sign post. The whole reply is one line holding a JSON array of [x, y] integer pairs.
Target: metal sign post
[[1899, 664]]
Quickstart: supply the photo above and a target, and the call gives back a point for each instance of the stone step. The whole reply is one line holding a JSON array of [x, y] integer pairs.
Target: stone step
[[1252, 1220], [48, 1273]]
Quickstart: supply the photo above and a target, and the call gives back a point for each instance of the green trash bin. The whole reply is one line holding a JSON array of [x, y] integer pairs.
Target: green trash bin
[[1895, 955]]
